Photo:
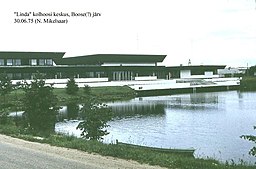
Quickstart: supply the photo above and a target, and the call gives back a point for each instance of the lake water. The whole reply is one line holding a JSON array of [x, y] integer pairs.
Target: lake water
[[212, 123]]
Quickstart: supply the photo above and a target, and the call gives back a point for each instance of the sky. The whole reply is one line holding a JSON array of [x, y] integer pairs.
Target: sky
[[205, 31]]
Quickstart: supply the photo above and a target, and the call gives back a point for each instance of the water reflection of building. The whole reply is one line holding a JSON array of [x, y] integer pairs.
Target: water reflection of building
[[149, 105], [157, 105], [208, 98], [126, 109], [195, 101]]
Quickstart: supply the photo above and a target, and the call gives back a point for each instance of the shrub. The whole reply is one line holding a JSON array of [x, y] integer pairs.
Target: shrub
[[87, 89], [40, 106], [5, 85], [95, 115], [72, 87]]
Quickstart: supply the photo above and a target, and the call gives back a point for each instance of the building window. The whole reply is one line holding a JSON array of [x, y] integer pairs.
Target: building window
[[49, 62], [33, 62], [17, 62], [1, 62], [9, 62], [41, 62]]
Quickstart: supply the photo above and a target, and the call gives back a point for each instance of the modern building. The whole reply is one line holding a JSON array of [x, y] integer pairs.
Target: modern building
[[114, 67], [194, 71]]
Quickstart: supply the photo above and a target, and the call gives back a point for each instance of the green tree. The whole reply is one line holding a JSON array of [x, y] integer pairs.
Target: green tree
[[72, 110], [40, 106], [4, 119], [95, 115], [72, 87], [87, 90], [5, 88], [5, 85], [252, 139]]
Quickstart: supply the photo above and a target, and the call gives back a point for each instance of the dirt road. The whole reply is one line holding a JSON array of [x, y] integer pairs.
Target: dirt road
[[20, 154]]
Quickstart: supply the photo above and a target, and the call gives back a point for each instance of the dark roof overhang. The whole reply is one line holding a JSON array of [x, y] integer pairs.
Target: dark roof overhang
[[32, 55], [98, 59]]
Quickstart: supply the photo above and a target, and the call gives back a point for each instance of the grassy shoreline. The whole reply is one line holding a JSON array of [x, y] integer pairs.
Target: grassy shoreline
[[138, 154]]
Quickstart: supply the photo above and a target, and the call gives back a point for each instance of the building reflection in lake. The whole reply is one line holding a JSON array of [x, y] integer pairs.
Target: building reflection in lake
[[137, 107], [156, 105], [149, 106], [199, 101]]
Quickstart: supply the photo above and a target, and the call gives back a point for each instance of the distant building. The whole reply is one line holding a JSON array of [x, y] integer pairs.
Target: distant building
[[195, 71], [232, 72], [115, 67]]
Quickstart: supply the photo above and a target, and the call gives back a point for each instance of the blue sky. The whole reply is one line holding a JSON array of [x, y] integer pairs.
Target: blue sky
[[205, 31]]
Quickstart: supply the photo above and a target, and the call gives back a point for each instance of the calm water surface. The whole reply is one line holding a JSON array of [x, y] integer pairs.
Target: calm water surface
[[212, 123]]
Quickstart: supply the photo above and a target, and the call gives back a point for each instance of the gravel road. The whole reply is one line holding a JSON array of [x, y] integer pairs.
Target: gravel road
[[19, 154]]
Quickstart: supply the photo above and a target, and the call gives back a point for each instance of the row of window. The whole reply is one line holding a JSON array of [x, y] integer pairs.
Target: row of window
[[47, 62], [40, 62], [10, 62], [32, 62], [56, 75]]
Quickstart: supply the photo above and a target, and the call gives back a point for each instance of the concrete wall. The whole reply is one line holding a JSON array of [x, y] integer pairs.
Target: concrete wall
[[146, 78]]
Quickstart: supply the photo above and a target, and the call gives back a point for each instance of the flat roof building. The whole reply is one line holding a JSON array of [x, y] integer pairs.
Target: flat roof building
[[115, 67], [23, 65]]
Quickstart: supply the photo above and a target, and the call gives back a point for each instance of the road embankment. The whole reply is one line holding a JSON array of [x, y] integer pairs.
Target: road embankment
[[36, 155]]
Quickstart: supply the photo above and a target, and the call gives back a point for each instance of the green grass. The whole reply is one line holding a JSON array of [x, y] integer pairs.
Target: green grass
[[141, 155], [113, 93], [104, 94]]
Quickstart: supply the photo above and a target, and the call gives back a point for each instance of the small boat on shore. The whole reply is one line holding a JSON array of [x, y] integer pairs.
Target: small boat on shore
[[183, 152]]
